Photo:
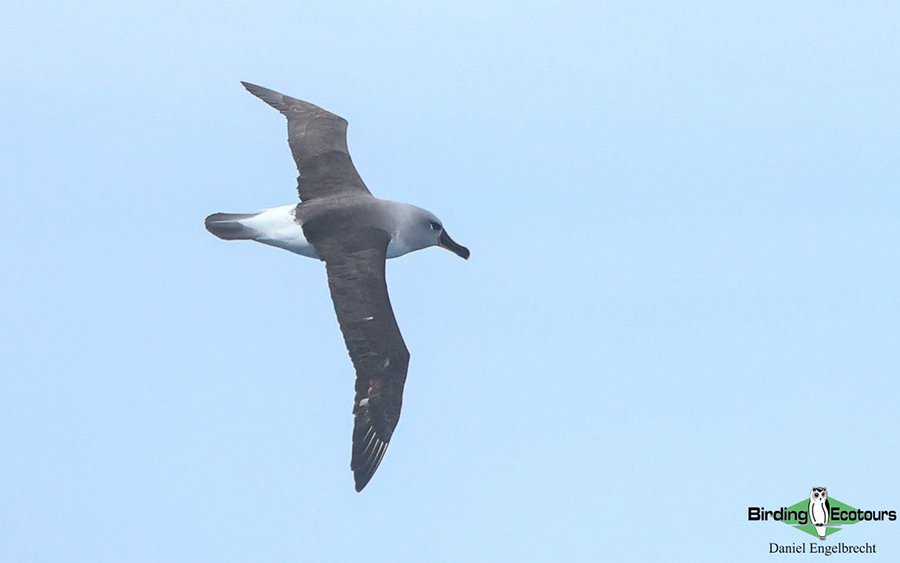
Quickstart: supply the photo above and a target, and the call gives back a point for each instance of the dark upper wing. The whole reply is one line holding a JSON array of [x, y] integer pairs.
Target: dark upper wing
[[318, 141], [355, 264]]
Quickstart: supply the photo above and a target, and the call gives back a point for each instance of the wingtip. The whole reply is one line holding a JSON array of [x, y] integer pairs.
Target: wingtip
[[275, 99], [253, 88], [361, 478], [359, 481], [364, 470]]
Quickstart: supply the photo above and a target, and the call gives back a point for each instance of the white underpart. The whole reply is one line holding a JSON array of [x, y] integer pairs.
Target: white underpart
[[277, 227]]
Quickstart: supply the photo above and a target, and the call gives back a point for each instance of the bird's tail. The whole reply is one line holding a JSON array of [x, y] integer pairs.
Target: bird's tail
[[229, 226]]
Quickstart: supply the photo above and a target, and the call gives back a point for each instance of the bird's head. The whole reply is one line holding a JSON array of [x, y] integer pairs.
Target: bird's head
[[444, 240], [423, 229]]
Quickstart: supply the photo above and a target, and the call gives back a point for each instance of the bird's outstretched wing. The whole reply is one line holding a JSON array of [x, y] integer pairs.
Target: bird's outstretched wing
[[318, 141], [355, 262]]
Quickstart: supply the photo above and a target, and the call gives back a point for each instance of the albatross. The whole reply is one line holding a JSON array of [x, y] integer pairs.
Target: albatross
[[339, 222]]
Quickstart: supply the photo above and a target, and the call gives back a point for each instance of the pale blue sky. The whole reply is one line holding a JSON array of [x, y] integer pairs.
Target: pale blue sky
[[682, 298]]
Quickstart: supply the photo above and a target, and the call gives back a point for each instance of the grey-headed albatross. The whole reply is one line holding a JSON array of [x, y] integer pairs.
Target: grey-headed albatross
[[341, 223]]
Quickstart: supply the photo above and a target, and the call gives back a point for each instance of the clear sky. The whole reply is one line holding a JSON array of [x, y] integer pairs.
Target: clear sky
[[682, 298]]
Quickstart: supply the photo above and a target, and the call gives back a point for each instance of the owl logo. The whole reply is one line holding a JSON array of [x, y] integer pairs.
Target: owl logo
[[819, 509]]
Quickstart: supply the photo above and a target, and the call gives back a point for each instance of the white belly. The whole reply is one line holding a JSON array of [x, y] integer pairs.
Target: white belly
[[277, 227]]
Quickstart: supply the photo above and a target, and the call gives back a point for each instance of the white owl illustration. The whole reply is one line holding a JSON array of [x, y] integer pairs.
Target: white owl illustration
[[819, 509]]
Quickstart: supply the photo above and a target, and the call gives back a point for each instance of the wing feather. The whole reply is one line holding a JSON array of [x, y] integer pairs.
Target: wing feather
[[355, 263], [318, 141]]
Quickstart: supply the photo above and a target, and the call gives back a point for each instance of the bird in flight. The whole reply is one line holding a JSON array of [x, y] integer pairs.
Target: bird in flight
[[341, 223]]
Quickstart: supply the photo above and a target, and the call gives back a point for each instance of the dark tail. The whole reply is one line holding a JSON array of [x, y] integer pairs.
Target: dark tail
[[227, 226]]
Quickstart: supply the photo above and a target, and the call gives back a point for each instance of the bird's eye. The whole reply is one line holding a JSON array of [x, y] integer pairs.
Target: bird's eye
[[435, 226]]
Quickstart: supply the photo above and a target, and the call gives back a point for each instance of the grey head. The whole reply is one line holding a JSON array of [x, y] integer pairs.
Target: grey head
[[415, 228]]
